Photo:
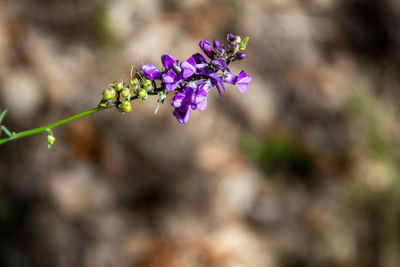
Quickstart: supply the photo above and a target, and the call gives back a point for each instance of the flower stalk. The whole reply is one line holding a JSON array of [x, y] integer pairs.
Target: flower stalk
[[189, 81], [46, 128]]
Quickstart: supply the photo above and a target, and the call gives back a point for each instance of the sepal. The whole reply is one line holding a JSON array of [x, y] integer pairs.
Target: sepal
[[50, 138]]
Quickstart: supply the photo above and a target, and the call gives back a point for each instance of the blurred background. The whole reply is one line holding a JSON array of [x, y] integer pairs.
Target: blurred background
[[301, 171]]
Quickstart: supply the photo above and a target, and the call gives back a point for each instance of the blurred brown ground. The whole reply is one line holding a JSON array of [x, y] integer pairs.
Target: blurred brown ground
[[301, 171]]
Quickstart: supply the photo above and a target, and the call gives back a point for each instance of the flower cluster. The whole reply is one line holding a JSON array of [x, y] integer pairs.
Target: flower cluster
[[138, 87], [190, 80]]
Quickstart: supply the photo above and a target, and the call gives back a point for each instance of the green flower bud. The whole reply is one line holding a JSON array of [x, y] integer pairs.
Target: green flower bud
[[119, 86], [125, 92], [134, 83], [147, 84], [142, 93], [109, 93], [237, 39], [50, 138], [243, 43], [125, 106], [162, 96], [177, 68]]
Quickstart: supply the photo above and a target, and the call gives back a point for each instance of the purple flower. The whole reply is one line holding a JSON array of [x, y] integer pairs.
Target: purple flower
[[231, 39], [243, 81], [202, 67], [171, 80], [169, 77], [198, 58], [192, 79], [188, 67], [172, 86], [205, 45], [229, 77], [216, 81], [168, 61], [181, 102], [182, 114], [240, 55], [219, 64], [181, 97], [199, 98], [219, 47], [150, 71]]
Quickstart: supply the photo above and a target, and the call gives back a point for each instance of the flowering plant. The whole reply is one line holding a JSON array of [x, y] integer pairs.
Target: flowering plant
[[189, 81]]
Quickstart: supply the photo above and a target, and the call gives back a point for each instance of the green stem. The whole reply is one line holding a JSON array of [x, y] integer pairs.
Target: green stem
[[15, 136]]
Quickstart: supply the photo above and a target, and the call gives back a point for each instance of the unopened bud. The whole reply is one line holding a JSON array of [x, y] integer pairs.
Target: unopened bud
[[119, 86], [125, 106], [240, 55], [109, 93], [162, 96], [243, 43], [142, 93], [147, 84], [237, 39], [125, 92], [134, 83], [177, 68], [50, 138]]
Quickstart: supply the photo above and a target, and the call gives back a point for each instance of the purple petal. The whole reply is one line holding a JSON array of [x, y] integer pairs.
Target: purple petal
[[182, 113], [202, 106], [199, 99], [240, 55], [188, 67], [177, 100], [171, 86], [205, 45], [219, 64], [168, 61], [234, 45], [218, 47], [203, 68], [206, 86], [182, 98], [243, 81], [169, 77], [229, 77], [199, 58], [181, 102], [150, 71], [230, 37], [215, 80]]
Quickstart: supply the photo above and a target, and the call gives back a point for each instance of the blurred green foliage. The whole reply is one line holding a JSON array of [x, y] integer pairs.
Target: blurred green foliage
[[365, 111], [103, 32], [281, 155]]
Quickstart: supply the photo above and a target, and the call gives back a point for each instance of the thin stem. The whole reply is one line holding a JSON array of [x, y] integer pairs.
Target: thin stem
[[48, 127], [44, 128]]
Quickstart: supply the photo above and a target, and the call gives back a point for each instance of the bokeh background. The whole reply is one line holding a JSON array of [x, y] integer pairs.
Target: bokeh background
[[302, 171]]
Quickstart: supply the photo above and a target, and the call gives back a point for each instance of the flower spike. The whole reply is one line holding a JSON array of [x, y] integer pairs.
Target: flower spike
[[192, 79], [189, 81]]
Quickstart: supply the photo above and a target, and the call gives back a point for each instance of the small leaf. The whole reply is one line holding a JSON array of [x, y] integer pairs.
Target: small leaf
[[103, 103], [50, 141], [50, 138], [244, 42], [6, 130], [162, 96], [2, 115]]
